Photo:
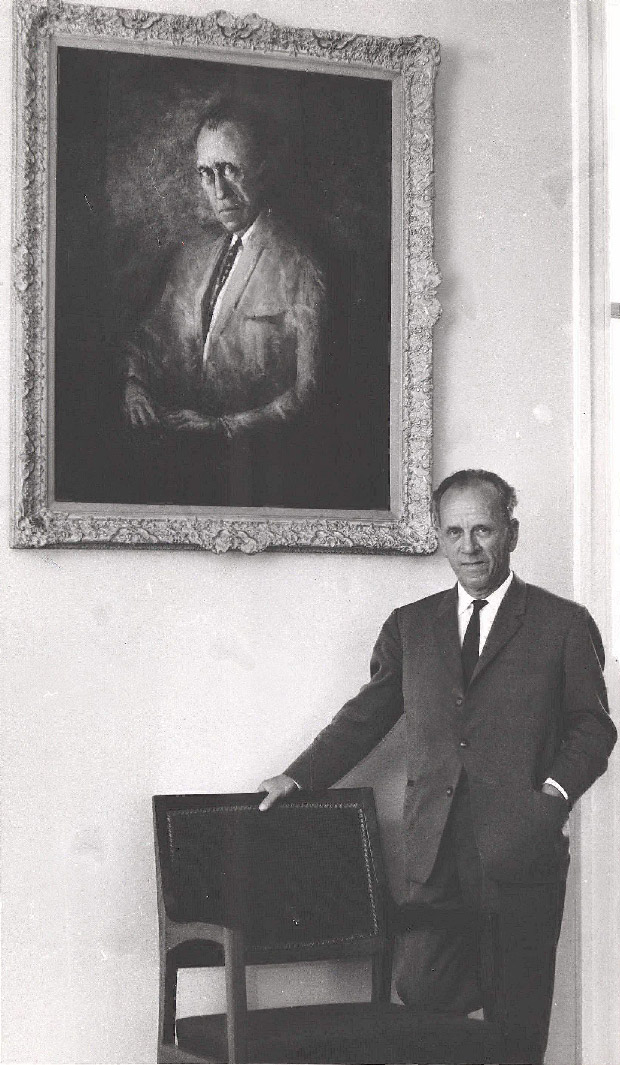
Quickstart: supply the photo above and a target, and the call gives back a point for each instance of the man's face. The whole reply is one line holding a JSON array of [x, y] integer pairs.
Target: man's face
[[231, 175], [476, 537]]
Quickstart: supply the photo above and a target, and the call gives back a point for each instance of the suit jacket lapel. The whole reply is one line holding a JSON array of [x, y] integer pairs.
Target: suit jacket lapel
[[204, 278], [446, 631], [507, 622], [244, 269]]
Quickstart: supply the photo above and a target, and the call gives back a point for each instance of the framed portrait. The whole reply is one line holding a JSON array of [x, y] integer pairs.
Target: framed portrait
[[224, 283]]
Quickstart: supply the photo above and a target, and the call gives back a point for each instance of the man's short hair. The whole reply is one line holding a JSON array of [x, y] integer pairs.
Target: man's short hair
[[467, 478], [248, 115]]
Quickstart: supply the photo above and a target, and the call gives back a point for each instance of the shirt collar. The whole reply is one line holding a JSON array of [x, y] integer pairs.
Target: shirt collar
[[243, 238], [494, 599]]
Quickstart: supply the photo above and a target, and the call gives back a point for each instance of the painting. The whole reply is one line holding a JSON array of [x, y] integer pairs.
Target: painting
[[224, 283]]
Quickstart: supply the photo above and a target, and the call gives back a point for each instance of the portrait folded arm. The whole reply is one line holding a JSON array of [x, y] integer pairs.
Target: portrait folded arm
[[140, 356], [192, 421], [279, 411], [145, 357], [283, 409]]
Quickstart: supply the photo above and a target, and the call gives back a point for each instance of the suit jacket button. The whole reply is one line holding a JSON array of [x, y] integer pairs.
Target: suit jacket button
[[459, 700], [449, 791], [464, 743]]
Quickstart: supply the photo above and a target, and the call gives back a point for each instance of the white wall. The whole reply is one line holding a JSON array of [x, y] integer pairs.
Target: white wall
[[135, 672]]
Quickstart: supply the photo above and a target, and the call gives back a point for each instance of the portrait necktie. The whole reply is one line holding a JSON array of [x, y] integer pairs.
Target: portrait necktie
[[470, 651], [219, 279]]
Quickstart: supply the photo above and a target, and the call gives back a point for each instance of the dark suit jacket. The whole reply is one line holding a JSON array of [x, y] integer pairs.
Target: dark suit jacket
[[265, 347], [536, 707]]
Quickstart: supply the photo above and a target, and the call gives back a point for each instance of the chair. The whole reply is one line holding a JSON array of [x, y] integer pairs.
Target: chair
[[301, 882]]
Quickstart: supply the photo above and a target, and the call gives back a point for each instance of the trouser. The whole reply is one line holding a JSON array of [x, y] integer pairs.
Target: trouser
[[505, 960]]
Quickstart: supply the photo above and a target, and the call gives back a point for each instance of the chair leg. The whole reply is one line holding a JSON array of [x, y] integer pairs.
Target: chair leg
[[167, 1002], [382, 974], [236, 996], [173, 1055]]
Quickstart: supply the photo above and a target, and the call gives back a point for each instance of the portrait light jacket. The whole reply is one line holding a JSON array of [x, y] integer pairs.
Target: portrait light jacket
[[265, 347]]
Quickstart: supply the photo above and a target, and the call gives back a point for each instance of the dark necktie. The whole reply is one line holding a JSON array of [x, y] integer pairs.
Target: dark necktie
[[470, 651], [218, 280]]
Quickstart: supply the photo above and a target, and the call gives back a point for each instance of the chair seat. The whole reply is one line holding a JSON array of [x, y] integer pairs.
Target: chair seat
[[358, 1033]]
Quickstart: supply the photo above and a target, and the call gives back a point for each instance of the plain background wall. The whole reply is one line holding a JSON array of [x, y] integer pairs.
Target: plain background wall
[[134, 672]]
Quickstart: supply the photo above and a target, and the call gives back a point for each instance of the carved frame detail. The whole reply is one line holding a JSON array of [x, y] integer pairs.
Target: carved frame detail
[[36, 520]]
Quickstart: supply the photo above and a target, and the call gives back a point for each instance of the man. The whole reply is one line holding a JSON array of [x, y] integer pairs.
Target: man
[[507, 725], [229, 355]]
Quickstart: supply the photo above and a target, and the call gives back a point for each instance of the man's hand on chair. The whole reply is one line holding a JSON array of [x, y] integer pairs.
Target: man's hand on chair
[[277, 788]]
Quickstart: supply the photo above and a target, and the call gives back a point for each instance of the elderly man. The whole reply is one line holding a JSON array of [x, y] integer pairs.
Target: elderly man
[[229, 355], [502, 688]]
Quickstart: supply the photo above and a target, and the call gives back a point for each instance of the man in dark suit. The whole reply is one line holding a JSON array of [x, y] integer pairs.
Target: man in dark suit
[[502, 688], [226, 363]]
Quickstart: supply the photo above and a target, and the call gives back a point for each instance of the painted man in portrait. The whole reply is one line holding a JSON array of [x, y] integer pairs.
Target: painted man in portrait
[[222, 375]]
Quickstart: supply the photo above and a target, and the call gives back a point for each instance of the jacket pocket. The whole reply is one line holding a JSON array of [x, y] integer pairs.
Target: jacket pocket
[[519, 832]]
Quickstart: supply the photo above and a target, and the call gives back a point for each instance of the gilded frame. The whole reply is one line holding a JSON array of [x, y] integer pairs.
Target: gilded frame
[[410, 64]]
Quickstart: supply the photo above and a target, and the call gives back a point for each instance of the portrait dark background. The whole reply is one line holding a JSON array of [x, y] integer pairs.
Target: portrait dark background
[[127, 194]]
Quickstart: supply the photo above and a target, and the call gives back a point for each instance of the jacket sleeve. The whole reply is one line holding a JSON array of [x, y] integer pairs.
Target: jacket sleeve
[[144, 355], [362, 722], [589, 734]]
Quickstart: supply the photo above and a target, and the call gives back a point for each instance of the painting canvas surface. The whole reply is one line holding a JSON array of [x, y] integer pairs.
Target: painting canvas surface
[[129, 198]]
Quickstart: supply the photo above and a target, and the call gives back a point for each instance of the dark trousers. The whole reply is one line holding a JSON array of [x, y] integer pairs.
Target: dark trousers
[[504, 962]]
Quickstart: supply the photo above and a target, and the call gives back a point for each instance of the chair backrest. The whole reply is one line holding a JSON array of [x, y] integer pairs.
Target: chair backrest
[[302, 880]]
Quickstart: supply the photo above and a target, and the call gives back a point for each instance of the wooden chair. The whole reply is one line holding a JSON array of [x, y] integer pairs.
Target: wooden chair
[[302, 882]]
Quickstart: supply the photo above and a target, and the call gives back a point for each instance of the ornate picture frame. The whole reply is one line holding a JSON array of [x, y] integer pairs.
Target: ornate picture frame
[[97, 200]]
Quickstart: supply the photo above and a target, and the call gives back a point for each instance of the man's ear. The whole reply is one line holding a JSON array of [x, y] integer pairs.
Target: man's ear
[[514, 533], [439, 537]]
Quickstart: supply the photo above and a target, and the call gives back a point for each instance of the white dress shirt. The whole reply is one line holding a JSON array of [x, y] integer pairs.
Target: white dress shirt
[[487, 614], [487, 617]]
